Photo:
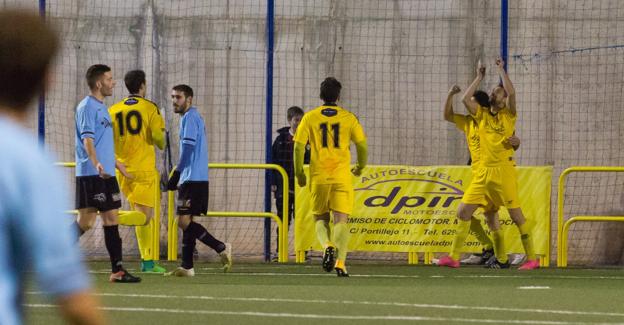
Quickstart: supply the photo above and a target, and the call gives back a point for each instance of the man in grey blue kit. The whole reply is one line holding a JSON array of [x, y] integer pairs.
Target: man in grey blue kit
[[96, 186], [192, 175], [35, 233]]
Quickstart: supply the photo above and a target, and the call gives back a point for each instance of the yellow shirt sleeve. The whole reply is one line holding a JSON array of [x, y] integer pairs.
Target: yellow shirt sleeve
[[461, 122], [302, 135], [157, 128], [357, 132]]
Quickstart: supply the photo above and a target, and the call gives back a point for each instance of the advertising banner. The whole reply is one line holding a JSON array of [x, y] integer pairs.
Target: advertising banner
[[413, 209]]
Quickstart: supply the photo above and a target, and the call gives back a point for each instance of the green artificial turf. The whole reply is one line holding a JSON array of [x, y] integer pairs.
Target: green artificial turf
[[374, 294]]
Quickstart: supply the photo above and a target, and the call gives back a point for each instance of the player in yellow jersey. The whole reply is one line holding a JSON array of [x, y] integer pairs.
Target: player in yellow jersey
[[468, 125], [330, 129], [137, 127], [495, 126], [496, 177]]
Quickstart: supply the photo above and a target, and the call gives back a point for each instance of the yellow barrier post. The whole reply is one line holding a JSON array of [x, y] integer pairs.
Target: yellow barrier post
[[156, 220], [560, 196], [282, 223], [569, 222], [173, 222], [412, 257], [428, 258], [299, 255], [172, 228], [562, 237]]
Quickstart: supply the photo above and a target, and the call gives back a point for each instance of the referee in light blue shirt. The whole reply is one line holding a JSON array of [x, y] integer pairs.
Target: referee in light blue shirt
[[192, 175], [35, 234]]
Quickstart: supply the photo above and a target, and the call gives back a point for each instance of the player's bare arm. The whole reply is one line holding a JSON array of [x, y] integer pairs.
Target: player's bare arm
[[122, 169], [507, 85], [514, 142], [90, 148], [362, 158], [299, 152], [158, 137], [448, 104], [467, 99]]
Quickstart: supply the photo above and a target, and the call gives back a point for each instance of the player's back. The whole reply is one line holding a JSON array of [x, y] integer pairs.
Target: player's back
[[134, 121], [330, 130]]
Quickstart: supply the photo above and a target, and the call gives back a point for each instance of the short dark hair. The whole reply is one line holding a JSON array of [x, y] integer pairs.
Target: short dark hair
[[188, 91], [294, 111], [94, 73], [28, 47], [482, 98], [330, 90], [133, 80]]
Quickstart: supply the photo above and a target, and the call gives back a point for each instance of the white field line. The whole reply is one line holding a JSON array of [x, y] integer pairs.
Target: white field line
[[533, 287], [364, 303], [331, 317], [542, 276]]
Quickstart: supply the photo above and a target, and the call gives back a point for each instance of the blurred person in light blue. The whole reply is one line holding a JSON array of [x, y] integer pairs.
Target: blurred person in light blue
[[33, 234]]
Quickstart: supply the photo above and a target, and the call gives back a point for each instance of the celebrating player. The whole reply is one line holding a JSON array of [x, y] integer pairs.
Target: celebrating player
[[496, 178], [467, 124]]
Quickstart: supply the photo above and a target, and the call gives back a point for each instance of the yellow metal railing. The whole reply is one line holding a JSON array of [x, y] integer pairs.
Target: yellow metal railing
[[172, 248], [562, 228], [155, 218], [412, 258], [563, 251]]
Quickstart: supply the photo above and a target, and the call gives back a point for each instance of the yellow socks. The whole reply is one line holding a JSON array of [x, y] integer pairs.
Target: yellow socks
[[499, 246], [479, 232], [527, 239], [340, 264], [322, 232], [132, 218], [144, 240], [463, 228], [341, 239]]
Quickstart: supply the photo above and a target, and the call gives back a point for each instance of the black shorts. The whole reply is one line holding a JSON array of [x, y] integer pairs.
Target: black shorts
[[97, 192], [192, 198]]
